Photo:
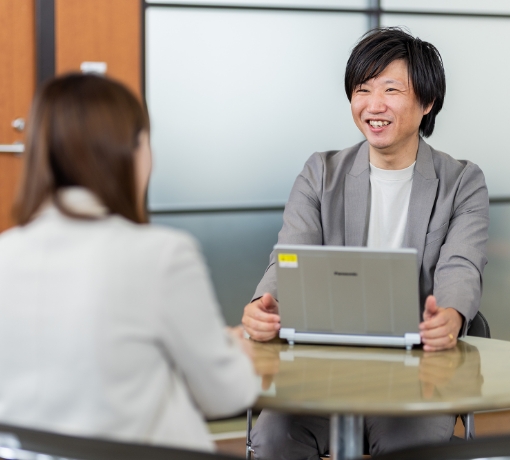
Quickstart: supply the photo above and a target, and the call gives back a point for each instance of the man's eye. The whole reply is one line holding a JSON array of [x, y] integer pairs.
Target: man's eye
[[391, 89], [362, 90]]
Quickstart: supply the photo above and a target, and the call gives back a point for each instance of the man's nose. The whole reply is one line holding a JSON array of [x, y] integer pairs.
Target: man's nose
[[376, 104]]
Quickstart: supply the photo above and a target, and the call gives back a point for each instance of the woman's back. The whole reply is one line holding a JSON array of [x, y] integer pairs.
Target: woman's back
[[110, 328]]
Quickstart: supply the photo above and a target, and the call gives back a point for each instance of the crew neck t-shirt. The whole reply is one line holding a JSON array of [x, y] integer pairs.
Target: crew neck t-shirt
[[390, 195]]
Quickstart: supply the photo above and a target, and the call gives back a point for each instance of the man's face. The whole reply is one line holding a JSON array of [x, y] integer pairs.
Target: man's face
[[386, 110]]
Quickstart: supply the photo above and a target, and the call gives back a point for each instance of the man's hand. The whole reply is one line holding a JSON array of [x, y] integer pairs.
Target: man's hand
[[440, 327], [261, 319]]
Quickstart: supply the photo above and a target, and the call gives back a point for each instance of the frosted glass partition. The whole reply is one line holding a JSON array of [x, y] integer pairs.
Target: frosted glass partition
[[496, 278], [458, 6], [239, 99], [473, 123], [273, 3], [236, 247]]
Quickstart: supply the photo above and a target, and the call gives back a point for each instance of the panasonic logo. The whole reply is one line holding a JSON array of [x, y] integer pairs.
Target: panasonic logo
[[345, 274]]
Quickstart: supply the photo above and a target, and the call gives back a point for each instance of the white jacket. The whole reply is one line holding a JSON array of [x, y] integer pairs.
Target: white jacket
[[111, 329]]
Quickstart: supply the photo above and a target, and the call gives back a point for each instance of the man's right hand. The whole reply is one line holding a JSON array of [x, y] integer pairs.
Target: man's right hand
[[260, 319]]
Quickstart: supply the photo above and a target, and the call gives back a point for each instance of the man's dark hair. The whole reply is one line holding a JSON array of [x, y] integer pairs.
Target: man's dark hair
[[378, 48]]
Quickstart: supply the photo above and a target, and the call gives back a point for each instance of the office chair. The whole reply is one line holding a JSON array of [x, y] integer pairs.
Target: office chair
[[482, 448], [479, 327], [18, 443]]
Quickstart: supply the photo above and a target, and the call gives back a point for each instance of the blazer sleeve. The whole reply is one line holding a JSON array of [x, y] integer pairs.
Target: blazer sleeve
[[219, 376], [459, 270], [302, 222]]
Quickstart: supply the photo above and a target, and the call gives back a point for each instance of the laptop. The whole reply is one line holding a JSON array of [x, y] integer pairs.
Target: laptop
[[348, 295]]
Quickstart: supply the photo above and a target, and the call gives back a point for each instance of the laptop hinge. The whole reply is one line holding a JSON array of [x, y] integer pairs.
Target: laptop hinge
[[288, 334], [411, 338], [407, 341]]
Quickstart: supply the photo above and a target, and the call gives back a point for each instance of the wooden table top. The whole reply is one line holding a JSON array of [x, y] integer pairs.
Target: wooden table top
[[357, 380]]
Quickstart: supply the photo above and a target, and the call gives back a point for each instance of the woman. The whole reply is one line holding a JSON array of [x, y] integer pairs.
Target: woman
[[108, 327]]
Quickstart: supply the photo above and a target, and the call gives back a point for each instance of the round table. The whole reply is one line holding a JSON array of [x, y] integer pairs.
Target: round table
[[347, 383]]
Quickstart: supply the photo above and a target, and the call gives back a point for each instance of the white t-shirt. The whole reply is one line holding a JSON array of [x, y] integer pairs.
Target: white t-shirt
[[390, 192]]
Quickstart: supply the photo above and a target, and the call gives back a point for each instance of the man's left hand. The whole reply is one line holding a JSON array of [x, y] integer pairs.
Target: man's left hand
[[440, 327]]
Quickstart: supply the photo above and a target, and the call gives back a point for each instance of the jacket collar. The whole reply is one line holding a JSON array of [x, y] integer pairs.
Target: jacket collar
[[424, 163], [421, 203], [357, 199], [362, 160]]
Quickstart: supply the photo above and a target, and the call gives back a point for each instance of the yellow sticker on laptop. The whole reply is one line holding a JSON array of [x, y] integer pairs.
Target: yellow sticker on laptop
[[287, 260]]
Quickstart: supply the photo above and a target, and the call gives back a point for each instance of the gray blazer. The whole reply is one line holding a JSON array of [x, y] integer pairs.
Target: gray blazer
[[447, 222]]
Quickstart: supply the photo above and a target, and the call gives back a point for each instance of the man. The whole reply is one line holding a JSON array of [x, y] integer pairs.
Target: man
[[393, 190]]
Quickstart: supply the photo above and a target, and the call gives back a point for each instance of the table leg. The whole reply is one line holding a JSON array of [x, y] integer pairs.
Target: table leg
[[346, 437]]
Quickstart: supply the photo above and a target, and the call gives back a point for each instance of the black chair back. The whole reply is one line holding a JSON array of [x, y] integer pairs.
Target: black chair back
[[480, 448], [19, 443], [479, 327]]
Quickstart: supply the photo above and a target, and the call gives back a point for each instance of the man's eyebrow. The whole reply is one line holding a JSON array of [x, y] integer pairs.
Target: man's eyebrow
[[392, 82]]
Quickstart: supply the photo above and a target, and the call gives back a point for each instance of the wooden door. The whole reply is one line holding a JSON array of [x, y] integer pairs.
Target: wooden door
[[17, 85], [99, 30]]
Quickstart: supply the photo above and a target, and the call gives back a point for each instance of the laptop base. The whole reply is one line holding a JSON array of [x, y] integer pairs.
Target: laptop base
[[324, 338]]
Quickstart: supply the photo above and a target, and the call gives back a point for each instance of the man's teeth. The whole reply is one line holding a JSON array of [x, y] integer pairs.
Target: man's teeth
[[378, 124]]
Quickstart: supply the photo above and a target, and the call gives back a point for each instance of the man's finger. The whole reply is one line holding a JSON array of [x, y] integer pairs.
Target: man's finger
[[442, 343], [261, 315], [257, 311], [261, 336], [431, 307], [262, 326], [269, 303], [436, 333], [438, 348], [439, 320], [260, 318]]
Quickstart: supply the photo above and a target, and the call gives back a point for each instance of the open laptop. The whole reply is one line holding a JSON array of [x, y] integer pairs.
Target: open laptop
[[348, 295]]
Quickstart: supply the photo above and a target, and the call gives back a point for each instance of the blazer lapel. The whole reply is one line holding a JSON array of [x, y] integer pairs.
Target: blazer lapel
[[357, 190], [423, 197]]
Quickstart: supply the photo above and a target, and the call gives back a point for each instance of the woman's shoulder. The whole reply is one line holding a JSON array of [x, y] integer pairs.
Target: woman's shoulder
[[156, 232], [152, 238]]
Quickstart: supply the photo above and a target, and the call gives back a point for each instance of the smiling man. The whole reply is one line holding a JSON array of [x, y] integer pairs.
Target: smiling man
[[392, 190]]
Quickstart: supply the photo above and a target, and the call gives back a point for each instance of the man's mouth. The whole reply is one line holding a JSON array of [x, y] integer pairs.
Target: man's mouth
[[378, 123]]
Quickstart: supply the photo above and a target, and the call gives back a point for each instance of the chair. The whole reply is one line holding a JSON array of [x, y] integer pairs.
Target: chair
[[18, 443], [493, 447], [249, 450], [478, 327]]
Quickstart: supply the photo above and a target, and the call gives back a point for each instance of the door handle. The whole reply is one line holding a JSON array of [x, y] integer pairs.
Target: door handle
[[12, 148]]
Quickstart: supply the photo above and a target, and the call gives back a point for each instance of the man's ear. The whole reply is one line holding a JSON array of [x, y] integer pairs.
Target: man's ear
[[426, 110]]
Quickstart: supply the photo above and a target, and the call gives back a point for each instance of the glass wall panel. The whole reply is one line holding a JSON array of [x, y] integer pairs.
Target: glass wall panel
[[236, 247], [239, 99], [476, 55], [496, 286], [273, 3], [460, 6]]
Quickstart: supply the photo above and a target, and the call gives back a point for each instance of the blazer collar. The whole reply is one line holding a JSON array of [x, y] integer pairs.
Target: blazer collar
[[362, 160], [421, 203], [357, 199], [424, 164]]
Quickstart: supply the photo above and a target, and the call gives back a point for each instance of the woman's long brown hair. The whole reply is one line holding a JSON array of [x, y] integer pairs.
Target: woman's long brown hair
[[83, 131]]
